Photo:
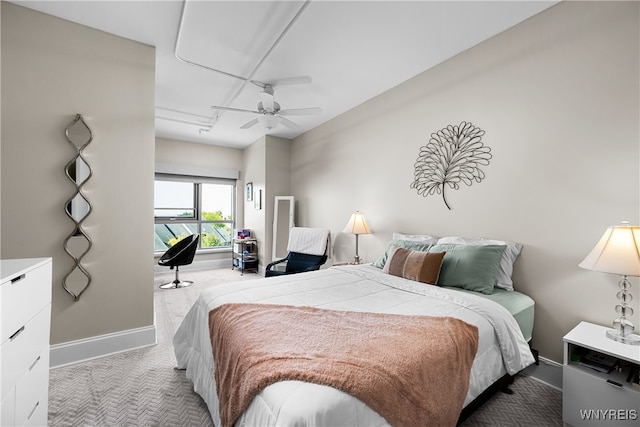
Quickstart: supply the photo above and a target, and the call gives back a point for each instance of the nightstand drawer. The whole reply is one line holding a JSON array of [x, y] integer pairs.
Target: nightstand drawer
[[600, 403], [22, 297]]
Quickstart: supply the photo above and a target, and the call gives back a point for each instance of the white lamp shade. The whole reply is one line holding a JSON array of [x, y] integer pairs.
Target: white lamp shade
[[617, 252], [357, 225]]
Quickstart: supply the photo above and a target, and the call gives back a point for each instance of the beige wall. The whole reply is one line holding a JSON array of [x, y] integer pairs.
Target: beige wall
[[558, 97], [255, 172], [267, 165], [51, 70], [278, 172], [200, 155]]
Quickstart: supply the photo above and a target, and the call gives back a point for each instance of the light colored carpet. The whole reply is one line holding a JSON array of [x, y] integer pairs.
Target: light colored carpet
[[142, 388]]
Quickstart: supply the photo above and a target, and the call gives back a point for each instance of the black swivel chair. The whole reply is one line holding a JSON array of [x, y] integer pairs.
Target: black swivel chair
[[297, 260], [181, 253]]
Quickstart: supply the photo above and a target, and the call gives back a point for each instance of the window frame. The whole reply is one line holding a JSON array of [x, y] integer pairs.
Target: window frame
[[197, 219], [176, 218]]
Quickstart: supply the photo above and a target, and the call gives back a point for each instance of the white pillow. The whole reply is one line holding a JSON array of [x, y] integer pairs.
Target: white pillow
[[506, 263], [423, 238]]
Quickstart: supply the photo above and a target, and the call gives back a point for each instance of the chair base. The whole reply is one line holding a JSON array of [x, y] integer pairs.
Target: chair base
[[176, 284]]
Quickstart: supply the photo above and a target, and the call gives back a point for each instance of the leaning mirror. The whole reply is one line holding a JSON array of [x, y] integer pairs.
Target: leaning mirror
[[283, 212]]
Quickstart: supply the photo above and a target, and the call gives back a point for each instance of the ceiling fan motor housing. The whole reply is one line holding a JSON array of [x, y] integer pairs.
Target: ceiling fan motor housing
[[276, 108]]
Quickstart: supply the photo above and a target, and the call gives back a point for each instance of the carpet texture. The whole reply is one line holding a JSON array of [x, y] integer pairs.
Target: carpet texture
[[142, 388]]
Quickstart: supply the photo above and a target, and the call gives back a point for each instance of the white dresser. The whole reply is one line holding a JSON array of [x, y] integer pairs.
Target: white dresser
[[25, 318]]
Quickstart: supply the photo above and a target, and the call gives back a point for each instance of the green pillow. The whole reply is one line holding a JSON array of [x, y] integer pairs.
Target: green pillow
[[406, 244], [470, 267]]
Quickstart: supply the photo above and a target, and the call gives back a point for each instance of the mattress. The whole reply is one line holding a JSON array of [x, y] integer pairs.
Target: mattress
[[502, 347], [520, 306]]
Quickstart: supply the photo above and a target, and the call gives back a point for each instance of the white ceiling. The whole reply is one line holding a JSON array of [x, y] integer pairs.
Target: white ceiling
[[352, 51]]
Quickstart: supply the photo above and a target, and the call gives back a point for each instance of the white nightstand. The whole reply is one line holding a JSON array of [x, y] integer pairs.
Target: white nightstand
[[593, 398]]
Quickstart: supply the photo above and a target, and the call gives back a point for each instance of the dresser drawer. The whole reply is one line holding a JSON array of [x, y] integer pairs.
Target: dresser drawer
[[20, 352], [22, 297], [32, 389], [8, 409], [38, 416]]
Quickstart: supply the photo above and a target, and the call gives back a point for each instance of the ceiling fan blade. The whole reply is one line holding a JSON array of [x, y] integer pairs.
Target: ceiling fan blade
[[288, 123], [291, 81], [301, 111], [237, 110], [249, 124], [284, 81]]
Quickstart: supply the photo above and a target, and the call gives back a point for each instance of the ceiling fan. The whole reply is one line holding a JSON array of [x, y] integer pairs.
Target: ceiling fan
[[269, 112]]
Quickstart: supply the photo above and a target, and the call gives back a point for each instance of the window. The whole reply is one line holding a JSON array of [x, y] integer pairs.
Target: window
[[188, 205]]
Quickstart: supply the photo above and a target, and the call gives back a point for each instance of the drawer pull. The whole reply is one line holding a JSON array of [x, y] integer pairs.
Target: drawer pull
[[17, 279], [34, 363], [614, 384], [33, 410], [16, 333]]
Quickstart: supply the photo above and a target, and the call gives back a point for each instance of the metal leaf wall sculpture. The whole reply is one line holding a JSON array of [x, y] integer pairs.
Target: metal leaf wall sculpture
[[77, 207], [452, 156]]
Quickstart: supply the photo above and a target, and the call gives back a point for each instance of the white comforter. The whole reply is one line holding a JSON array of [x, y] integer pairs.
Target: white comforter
[[357, 288]]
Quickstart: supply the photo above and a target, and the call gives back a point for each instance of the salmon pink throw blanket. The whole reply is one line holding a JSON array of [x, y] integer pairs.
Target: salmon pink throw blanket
[[412, 370]]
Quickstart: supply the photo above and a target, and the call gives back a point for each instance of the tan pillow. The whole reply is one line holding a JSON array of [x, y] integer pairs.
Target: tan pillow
[[419, 266]]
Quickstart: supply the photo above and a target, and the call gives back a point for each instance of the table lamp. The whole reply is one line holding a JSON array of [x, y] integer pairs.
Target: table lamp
[[618, 252], [357, 225]]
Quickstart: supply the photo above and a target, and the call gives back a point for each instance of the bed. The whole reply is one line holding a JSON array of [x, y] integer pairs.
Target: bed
[[503, 319]]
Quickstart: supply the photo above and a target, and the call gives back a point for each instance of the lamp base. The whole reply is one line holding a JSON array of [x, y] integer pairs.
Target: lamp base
[[617, 336]]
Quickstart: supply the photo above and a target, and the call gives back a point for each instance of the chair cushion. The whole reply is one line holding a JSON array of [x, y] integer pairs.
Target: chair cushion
[[182, 253], [298, 262]]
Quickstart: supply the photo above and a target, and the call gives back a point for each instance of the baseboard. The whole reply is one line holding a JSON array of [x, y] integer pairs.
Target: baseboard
[[82, 350], [547, 372], [203, 265]]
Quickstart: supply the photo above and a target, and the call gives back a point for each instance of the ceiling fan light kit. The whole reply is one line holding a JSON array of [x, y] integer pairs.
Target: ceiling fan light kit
[[269, 121], [270, 114]]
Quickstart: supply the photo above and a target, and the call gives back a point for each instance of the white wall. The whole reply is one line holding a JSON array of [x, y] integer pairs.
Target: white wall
[[51, 70], [558, 98]]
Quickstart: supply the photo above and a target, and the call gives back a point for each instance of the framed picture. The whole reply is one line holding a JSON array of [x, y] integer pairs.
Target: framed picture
[[249, 191], [257, 200]]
